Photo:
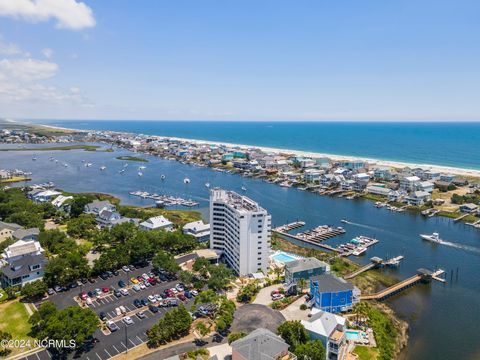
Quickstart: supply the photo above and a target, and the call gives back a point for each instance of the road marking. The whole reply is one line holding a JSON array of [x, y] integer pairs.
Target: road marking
[[126, 307], [141, 341], [107, 352], [38, 357], [116, 348], [128, 340], [121, 342], [98, 356], [48, 353]]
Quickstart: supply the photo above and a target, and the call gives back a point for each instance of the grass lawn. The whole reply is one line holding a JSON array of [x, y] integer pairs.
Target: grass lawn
[[3, 296], [14, 320], [365, 352]]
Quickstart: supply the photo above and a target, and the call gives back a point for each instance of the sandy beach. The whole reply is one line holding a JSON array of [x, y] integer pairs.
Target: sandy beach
[[333, 157]]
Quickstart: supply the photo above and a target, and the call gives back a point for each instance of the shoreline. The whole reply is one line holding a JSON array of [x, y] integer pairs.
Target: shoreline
[[333, 157]]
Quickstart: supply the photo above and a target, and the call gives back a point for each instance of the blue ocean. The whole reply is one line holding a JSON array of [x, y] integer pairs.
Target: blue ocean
[[454, 144]]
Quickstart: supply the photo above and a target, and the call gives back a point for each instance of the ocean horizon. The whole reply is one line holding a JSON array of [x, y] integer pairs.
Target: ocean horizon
[[452, 144]]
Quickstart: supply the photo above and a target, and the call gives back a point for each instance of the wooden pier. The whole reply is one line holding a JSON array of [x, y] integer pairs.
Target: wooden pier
[[423, 275], [321, 233], [313, 244], [375, 262], [289, 227], [461, 217]]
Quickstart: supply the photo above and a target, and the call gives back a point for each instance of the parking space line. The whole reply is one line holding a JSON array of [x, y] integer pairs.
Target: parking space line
[[107, 353], [98, 356], [116, 349], [121, 342], [128, 340], [48, 353], [38, 357], [139, 339]]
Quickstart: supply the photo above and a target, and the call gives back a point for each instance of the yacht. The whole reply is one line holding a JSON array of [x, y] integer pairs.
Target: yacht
[[207, 184], [344, 221], [102, 168], [140, 173], [142, 167], [34, 158], [435, 237], [88, 164], [186, 181], [244, 188]]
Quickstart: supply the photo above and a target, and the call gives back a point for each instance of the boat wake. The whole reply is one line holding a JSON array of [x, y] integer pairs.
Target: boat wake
[[362, 225], [468, 248]]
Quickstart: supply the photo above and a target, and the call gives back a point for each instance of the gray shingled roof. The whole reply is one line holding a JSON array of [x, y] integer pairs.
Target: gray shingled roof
[[24, 262], [10, 226], [304, 264], [260, 344], [329, 282], [23, 233]]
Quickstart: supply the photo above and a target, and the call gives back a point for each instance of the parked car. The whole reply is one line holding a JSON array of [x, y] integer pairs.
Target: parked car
[[104, 276], [145, 276], [188, 295], [116, 272], [136, 287], [117, 293], [92, 280], [83, 295], [194, 292], [112, 326], [83, 280], [141, 315], [98, 291], [109, 273], [174, 290], [134, 280], [91, 294], [144, 302], [125, 268], [182, 297], [122, 284], [131, 267], [162, 277], [137, 303], [140, 278], [118, 311], [158, 297], [105, 289], [142, 286], [277, 296], [152, 281], [50, 291], [102, 316], [153, 309], [123, 309], [124, 292], [151, 298]]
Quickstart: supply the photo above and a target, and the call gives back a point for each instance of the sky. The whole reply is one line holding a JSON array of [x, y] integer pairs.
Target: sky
[[240, 60]]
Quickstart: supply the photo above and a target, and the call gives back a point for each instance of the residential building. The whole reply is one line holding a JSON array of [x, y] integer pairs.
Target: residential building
[[198, 229], [26, 234], [42, 196], [7, 229], [379, 190], [361, 181], [426, 186], [97, 206], [261, 344], [329, 329], [353, 164], [383, 173], [156, 223], [62, 203], [21, 262], [304, 269], [241, 229], [409, 183], [468, 208], [418, 198], [333, 294], [312, 175]]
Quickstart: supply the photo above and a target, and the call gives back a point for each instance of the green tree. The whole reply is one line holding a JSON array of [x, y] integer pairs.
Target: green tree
[[220, 277], [294, 333], [82, 226], [56, 242], [302, 284], [4, 350], [34, 290], [164, 260], [234, 336], [28, 219], [310, 350], [62, 270], [186, 277]]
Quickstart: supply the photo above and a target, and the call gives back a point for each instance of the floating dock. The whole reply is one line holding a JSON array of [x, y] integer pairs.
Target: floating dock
[[423, 275], [375, 262], [357, 246], [164, 200], [290, 226], [313, 237]]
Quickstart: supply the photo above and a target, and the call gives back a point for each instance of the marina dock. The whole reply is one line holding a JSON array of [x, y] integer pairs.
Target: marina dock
[[312, 237], [289, 227], [423, 275], [164, 200], [375, 262]]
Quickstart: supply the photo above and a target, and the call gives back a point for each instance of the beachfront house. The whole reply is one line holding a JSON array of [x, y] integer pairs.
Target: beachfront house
[[312, 175], [7, 229], [353, 164], [426, 186], [378, 189], [156, 223], [197, 229], [261, 344], [63, 203], [304, 268], [384, 173], [21, 263], [361, 181], [329, 329], [347, 185], [333, 294]]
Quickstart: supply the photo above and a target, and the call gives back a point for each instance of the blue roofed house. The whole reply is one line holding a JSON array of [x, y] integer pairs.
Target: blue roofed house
[[304, 268], [333, 294], [330, 330], [21, 263]]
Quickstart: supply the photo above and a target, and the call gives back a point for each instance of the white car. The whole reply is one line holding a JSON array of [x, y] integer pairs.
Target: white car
[[142, 286], [118, 311], [158, 297], [136, 287], [123, 309], [124, 292], [277, 296], [152, 298], [194, 292], [174, 290], [179, 287], [127, 320], [126, 268], [147, 284], [145, 276]]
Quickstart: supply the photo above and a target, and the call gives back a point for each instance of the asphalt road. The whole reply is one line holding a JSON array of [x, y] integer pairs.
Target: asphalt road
[[126, 337]]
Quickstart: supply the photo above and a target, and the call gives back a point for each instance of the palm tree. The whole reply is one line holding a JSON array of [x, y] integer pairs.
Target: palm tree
[[278, 271], [302, 284]]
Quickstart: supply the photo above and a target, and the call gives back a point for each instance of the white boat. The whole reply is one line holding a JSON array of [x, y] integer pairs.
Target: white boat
[[244, 188], [142, 167], [34, 158], [122, 171], [140, 173], [125, 165], [186, 181], [66, 165], [359, 251], [162, 177], [102, 168], [88, 164], [435, 237], [207, 185], [344, 221]]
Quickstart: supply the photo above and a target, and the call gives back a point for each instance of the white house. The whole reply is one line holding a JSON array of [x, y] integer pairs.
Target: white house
[[198, 229], [156, 223], [409, 183], [418, 198], [312, 175]]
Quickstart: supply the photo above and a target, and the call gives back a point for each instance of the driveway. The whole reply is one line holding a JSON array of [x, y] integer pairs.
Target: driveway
[[263, 297], [253, 316]]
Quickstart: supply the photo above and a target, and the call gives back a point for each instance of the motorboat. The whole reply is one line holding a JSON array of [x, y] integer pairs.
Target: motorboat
[[102, 168], [140, 173], [435, 237], [162, 177], [186, 181], [142, 167], [344, 221], [244, 188], [207, 185]]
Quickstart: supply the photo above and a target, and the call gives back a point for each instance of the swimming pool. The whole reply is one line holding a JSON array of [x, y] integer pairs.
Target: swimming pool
[[283, 257], [353, 335]]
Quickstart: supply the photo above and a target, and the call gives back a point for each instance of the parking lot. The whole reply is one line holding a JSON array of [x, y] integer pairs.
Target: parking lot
[[127, 336]]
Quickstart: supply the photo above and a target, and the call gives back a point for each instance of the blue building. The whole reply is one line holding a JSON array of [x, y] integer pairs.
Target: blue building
[[333, 294], [304, 268]]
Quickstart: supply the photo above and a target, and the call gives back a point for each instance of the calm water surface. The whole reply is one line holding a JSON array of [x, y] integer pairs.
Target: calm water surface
[[443, 318]]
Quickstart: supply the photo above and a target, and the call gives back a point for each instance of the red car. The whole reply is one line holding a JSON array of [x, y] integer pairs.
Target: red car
[[182, 297], [105, 289], [152, 281], [83, 295], [140, 279]]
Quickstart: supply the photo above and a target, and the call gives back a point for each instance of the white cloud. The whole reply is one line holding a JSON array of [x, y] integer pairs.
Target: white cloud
[[47, 53], [69, 14], [9, 49], [27, 69]]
